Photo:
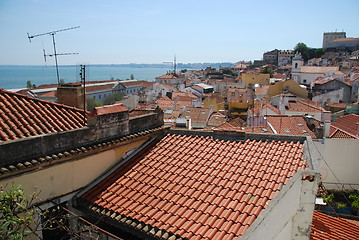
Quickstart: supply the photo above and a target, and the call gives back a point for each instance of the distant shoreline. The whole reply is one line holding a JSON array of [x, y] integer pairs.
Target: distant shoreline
[[140, 65]]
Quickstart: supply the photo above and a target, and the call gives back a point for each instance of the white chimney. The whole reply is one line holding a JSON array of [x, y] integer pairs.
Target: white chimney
[[326, 131], [326, 116], [281, 106]]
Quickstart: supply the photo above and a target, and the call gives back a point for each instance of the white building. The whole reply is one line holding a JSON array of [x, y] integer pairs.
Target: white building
[[306, 74]]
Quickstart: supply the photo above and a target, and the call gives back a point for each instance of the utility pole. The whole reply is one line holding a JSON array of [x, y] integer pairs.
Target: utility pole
[[83, 80], [54, 44]]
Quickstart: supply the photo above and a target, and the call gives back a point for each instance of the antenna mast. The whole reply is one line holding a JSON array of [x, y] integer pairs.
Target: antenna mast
[[54, 44], [174, 66]]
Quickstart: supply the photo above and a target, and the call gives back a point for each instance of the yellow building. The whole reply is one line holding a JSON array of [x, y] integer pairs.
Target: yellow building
[[290, 86], [214, 100], [256, 78]]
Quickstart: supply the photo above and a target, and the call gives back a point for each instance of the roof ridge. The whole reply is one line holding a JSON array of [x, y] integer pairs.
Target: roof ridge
[[40, 100], [341, 130]]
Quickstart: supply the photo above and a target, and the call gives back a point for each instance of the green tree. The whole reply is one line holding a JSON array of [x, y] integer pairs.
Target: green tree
[[16, 216], [303, 49], [132, 77], [92, 103], [30, 85], [267, 69], [355, 198], [112, 98], [228, 72]]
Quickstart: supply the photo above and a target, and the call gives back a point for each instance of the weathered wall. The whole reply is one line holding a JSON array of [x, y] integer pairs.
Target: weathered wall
[[144, 122], [260, 78], [63, 178], [290, 85], [101, 128]]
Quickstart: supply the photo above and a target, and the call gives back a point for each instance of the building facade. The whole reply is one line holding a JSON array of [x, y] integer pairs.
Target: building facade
[[330, 36]]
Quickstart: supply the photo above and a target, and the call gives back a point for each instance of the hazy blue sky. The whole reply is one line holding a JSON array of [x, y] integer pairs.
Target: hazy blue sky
[[152, 31]]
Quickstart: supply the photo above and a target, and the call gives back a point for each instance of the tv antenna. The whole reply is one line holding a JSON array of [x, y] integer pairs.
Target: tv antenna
[[55, 54], [174, 63]]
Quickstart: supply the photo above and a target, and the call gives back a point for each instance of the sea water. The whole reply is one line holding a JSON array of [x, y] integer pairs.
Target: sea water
[[16, 77]]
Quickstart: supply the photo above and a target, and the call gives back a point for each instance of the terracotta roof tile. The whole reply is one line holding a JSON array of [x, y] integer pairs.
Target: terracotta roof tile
[[325, 227], [304, 106], [290, 125], [345, 127], [22, 116], [197, 115], [258, 109], [216, 119], [217, 197]]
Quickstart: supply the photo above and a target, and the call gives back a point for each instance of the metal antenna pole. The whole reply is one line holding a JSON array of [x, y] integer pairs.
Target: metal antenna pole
[[175, 65], [55, 54], [54, 44], [83, 80]]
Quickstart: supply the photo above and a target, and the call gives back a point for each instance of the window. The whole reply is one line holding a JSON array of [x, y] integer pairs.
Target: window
[[300, 124], [304, 131], [264, 130], [296, 65], [286, 130]]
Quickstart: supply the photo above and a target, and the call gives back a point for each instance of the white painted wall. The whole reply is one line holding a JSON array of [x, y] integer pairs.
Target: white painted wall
[[289, 214], [316, 115], [342, 157]]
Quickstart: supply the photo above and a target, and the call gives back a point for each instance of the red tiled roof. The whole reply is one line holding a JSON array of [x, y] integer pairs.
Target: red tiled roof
[[264, 129], [168, 86], [165, 104], [22, 116], [199, 187], [114, 108], [183, 96], [216, 119], [168, 76], [197, 115], [237, 122], [135, 83], [325, 227], [258, 109], [96, 88], [290, 125], [262, 90], [348, 124], [49, 94], [216, 96], [228, 127], [279, 76], [337, 133], [304, 106]]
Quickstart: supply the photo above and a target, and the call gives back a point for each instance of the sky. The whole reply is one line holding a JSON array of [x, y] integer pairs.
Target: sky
[[153, 31]]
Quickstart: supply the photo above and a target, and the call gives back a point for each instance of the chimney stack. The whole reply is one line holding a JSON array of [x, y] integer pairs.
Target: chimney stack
[[326, 116], [326, 129], [71, 95]]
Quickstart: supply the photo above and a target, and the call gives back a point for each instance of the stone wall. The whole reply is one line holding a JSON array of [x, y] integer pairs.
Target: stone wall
[[100, 128]]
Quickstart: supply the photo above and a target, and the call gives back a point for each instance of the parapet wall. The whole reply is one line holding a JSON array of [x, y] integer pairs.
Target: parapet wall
[[100, 128]]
